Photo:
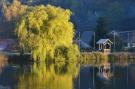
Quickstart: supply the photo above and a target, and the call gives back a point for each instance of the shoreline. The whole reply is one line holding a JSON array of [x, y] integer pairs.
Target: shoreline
[[84, 57]]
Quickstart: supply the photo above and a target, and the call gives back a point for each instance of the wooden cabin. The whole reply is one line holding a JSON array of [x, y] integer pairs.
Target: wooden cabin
[[104, 45]]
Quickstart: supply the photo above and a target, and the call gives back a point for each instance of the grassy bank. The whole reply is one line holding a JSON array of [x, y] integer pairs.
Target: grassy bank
[[100, 58], [122, 57], [93, 58]]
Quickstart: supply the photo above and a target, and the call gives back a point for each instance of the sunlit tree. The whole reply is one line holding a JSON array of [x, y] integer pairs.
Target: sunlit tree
[[43, 29]]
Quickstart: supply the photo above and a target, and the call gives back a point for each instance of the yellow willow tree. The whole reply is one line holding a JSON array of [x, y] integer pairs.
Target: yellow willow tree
[[45, 28]]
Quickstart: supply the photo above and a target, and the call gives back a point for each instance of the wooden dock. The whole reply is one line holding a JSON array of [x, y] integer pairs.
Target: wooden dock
[[13, 53], [16, 56]]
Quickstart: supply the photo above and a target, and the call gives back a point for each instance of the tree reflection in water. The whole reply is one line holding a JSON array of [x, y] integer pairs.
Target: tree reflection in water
[[3, 62], [48, 76]]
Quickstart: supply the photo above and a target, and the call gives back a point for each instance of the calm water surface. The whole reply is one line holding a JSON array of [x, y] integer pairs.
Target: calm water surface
[[64, 76]]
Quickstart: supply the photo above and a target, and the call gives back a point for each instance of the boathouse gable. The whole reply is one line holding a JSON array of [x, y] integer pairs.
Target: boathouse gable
[[104, 45]]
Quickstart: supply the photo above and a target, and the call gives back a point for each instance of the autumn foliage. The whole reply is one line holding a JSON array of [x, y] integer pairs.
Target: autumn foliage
[[45, 28]]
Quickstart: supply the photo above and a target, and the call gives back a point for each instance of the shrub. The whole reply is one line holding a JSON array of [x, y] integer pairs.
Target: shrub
[[66, 53], [120, 58], [93, 58]]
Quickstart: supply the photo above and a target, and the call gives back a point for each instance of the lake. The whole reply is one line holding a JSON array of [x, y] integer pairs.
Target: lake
[[65, 76]]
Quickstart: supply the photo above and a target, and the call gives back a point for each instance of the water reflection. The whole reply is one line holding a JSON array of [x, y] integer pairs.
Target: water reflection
[[3, 62], [66, 76], [51, 76], [39, 75], [122, 77]]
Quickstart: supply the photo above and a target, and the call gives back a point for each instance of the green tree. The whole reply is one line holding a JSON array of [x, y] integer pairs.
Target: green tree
[[43, 29], [114, 12], [101, 29]]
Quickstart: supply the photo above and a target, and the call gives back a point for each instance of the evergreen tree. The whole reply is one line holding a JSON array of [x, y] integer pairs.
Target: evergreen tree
[[101, 30]]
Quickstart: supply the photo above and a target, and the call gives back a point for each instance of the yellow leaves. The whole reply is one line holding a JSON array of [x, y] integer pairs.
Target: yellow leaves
[[45, 28], [39, 54], [46, 76], [22, 32], [37, 17]]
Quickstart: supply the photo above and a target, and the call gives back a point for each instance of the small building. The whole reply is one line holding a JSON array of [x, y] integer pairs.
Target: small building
[[105, 45]]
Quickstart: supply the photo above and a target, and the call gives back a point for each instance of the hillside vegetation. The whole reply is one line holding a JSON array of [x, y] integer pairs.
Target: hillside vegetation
[[120, 14]]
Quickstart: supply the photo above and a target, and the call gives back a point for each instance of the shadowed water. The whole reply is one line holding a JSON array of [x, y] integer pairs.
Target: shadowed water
[[64, 76]]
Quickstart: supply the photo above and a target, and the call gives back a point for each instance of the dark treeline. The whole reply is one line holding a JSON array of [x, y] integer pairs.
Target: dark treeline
[[120, 14]]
